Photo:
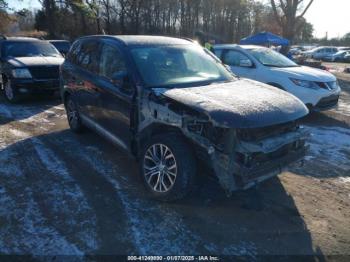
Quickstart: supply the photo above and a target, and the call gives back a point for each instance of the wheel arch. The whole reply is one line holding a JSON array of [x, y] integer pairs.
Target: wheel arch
[[150, 131], [65, 96]]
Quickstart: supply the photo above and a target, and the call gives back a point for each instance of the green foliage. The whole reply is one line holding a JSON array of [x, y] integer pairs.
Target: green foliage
[[3, 5]]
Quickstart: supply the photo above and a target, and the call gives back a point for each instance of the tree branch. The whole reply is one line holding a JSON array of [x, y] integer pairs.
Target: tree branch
[[305, 10], [274, 8]]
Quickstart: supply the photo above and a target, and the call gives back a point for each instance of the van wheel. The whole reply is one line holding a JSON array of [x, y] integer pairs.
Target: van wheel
[[10, 94], [168, 167], [73, 116]]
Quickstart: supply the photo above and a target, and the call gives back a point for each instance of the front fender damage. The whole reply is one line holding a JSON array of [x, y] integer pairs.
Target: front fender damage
[[231, 158]]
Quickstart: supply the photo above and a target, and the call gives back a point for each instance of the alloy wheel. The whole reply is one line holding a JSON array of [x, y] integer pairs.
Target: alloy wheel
[[72, 113], [160, 168], [9, 91]]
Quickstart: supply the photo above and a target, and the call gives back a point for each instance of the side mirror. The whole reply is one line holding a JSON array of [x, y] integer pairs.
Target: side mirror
[[245, 63]]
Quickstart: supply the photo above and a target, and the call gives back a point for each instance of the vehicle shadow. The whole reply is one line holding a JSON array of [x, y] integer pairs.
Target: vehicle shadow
[[26, 109], [322, 119], [76, 198]]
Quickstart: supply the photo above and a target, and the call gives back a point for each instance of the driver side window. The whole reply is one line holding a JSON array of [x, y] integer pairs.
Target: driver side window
[[111, 62], [234, 58]]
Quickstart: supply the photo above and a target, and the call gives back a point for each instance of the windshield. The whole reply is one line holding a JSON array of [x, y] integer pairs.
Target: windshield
[[271, 58], [29, 49], [165, 66]]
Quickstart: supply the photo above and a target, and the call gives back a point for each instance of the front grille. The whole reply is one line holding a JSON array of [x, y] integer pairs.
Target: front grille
[[45, 72], [328, 102], [255, 134]]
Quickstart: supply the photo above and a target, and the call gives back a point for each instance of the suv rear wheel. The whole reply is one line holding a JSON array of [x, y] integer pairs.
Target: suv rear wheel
[[73, 116], [168, 167], [10, 94]]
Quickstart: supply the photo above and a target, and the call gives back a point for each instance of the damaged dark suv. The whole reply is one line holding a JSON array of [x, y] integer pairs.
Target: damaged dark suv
[[172, 105]]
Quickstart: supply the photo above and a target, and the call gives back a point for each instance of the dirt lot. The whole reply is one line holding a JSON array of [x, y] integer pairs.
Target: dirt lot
[[61, 193]]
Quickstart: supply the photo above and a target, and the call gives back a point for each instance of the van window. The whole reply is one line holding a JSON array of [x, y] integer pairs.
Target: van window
[[111, 62], [87, 56], [233, 58], [72, 55]]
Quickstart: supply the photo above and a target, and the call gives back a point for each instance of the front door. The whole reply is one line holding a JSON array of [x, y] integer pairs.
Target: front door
[[115, 95]]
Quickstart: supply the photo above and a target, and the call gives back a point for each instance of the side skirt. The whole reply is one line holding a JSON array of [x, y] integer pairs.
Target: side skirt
[[103, 132]]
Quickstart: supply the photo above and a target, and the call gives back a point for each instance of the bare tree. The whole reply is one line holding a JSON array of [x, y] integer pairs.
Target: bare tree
[[289, 15]]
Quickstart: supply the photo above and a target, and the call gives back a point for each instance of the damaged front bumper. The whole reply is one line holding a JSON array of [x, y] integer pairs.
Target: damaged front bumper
[[253, 162], [248, 177]]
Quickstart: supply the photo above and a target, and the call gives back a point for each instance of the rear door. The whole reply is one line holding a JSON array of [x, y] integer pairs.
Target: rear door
[[83, 76], [115, 99]]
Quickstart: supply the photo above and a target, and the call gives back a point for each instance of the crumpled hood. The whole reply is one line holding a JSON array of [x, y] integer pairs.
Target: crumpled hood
[[35, 61], [241, 104], [305, 73]]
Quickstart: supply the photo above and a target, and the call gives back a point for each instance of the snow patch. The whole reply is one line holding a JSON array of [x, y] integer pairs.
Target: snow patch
[[19, 134], [25, 229], [331, 146], [345, 179], [150, 234], [68, 191]]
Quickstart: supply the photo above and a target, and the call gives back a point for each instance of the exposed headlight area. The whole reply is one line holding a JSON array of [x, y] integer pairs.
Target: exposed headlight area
[[315, 85], [328, 85], [21, 73]]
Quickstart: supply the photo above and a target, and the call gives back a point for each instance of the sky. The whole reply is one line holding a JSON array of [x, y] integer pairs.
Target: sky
[[330, 16], [327, 16]]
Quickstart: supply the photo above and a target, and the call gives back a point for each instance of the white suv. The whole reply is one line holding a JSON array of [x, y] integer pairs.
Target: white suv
[[318, 89]]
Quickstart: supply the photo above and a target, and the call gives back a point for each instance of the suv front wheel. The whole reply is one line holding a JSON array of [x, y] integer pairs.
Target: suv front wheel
[[10, 93], [168, 167], [73, 115]]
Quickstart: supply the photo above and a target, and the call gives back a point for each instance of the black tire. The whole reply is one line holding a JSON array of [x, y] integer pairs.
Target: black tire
[[185, 167], [10, 93], [73, 116]]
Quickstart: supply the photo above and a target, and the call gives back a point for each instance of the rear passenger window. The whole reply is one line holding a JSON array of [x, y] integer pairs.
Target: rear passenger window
[[111, 62], [233, 58], [72, 56]]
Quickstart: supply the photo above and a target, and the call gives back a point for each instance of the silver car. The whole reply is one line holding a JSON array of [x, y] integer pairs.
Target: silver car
[[320, 53], [337, 57]]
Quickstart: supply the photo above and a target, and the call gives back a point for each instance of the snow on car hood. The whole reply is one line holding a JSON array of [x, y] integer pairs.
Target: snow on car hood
[[305, 73], [241, 104], [35, 61]]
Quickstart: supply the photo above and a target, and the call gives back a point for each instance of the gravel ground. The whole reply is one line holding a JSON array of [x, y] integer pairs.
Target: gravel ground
[[67, 194]]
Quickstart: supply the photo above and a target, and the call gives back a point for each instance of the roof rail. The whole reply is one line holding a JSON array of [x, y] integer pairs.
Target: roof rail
[[3, 37]]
